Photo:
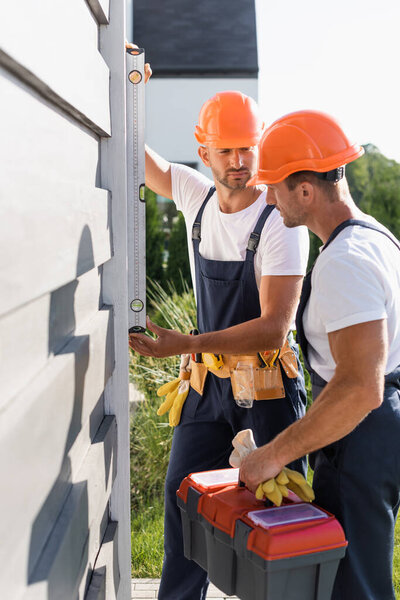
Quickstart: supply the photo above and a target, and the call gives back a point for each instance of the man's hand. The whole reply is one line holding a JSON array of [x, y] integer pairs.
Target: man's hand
[[147, 69], [168, 343], [259, 466]]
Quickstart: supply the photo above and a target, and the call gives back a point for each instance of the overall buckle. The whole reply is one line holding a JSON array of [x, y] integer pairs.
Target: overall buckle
[[253, 242]]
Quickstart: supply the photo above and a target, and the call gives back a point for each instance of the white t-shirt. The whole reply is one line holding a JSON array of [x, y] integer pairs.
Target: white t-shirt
[[355, 280], [281, 251]]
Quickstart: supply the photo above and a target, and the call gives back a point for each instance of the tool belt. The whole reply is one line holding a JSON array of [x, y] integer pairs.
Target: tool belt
[[266, 371]]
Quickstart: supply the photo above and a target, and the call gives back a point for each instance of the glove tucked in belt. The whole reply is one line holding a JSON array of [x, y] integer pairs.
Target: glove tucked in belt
[[175, 393]]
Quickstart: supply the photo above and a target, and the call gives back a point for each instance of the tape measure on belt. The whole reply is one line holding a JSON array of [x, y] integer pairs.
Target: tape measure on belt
[[213, 361]]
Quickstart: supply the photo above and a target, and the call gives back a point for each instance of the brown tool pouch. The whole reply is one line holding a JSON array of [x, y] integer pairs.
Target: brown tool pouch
[[267, 382], [198, 376]]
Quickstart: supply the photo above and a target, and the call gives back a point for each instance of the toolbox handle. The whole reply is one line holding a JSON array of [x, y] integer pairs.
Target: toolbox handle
[[267, 503]]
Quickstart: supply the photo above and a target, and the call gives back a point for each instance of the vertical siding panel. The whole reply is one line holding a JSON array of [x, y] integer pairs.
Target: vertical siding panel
[[106, 577], [64, 465]]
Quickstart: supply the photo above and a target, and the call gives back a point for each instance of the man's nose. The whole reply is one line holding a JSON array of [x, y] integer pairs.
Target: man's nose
[[270, 197], [236, 159]]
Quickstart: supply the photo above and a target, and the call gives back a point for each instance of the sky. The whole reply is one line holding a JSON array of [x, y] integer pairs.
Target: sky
[[341, 57]]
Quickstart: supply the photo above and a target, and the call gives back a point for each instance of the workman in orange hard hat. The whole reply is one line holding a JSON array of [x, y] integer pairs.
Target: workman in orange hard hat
[[348, 325], [247, 269]]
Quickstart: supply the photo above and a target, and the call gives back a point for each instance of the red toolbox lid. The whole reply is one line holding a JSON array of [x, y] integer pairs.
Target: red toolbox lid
[[293, 530], [208, 481], [223, 507]]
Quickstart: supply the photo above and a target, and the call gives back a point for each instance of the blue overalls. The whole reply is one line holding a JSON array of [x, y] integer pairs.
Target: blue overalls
[[227, 294], [357, 478]]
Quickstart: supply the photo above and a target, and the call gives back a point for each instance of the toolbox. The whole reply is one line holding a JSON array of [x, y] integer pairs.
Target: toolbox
[[290, 552]]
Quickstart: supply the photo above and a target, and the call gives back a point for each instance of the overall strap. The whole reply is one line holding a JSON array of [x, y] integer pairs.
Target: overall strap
[[306, 289], [366, 224], [196, 229], [254, 238]]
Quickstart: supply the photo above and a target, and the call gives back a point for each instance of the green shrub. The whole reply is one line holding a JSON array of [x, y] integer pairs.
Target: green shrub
[[154, 238], [178, 267]]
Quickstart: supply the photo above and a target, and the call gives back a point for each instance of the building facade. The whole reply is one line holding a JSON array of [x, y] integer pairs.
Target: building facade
[[64, 409]]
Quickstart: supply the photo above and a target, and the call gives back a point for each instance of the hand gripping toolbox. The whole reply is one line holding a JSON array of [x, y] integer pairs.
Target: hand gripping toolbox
[[290, 552]]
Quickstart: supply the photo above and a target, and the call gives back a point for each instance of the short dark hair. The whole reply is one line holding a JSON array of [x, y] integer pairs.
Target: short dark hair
[[328, 187]]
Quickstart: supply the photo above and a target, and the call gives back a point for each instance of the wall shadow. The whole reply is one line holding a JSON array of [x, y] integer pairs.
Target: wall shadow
[[48, 529]]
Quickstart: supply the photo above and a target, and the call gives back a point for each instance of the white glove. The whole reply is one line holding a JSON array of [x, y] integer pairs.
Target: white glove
[[243, 443]]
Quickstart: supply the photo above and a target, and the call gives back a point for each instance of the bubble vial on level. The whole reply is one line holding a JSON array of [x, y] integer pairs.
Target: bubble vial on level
[[135, 77], [137, 305]]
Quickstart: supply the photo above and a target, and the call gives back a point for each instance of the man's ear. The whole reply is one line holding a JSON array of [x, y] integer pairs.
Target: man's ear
[[204, 155], [306, 191]]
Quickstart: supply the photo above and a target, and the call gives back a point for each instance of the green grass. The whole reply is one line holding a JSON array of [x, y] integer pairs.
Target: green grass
[[147, 540], [396, 560]]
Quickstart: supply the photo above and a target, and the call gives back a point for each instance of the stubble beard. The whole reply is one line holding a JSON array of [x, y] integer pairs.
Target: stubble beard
[[291, 222], [231, 185]]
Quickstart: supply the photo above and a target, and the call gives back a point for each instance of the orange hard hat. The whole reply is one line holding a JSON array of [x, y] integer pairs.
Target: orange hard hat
[[229, 120], [307, 140]]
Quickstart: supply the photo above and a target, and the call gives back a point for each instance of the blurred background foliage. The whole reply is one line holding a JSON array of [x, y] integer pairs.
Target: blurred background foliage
[[374, 183]]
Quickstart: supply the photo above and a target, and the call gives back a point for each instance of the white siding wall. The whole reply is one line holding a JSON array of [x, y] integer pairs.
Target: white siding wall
[[172, 111], [64, 411]]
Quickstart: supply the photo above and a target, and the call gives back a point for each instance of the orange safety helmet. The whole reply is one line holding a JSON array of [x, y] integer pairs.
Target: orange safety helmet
[[307, 140], [229, 120]]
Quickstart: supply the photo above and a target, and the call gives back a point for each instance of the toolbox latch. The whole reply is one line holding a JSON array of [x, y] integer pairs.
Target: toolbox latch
[[192, 501], [242, 531]]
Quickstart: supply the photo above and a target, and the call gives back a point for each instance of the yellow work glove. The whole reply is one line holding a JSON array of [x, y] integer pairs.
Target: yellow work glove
[[277, 488], [271, 490], [175, 393], [169, 390], [298, 484]]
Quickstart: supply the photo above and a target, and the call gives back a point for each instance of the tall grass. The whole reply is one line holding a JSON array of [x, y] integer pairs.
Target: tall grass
[[150, 434], [396, 560]]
